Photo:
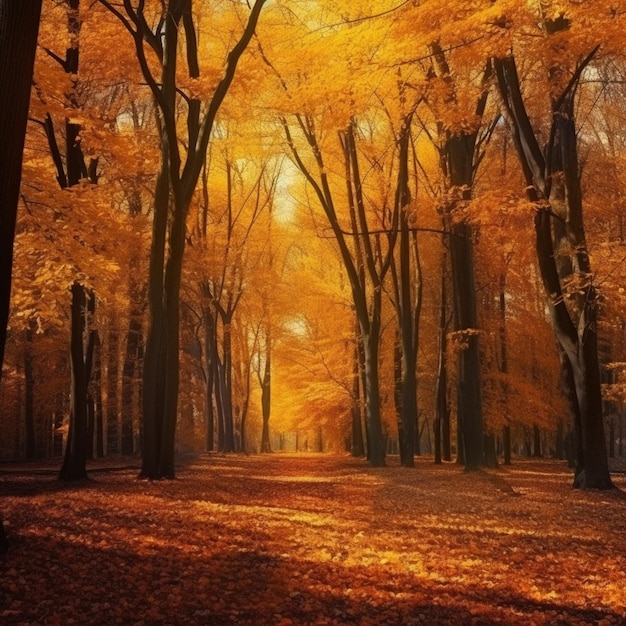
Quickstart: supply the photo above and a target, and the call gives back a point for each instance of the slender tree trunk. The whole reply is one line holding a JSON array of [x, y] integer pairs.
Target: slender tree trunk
[[373, 419], [112, 412], [97, 397], [358, 444], [409, 289], [227, 387], [74, 464], [504, 368], [266, 390], [29, 398], [209, 349], [131, 395]]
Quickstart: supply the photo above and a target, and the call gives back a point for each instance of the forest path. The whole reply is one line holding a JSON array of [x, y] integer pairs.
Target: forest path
[[312, 539]]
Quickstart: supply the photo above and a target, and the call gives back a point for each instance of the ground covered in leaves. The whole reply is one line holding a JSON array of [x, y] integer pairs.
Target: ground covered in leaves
[[312, 539]]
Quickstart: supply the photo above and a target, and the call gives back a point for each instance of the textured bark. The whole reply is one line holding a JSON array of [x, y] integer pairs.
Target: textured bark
[[459, 160], [554, 186], [19, 27]]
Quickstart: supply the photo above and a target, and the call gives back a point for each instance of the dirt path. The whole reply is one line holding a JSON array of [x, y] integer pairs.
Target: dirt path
[[313, 540]]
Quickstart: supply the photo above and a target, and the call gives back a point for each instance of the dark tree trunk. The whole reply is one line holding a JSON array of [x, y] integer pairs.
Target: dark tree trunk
[[442, 409], [130, 375], [112, 413], [266, 390], [365, 264], [536, 441], [29, 398], [504, 369], [19, 27], [469, 403], [408, 290], [173, 195], [74, 464], [458, 163], [210, 347], [491, 459], [97, 399], [506, 444], [553, 183], [227, 388], [357, 443]]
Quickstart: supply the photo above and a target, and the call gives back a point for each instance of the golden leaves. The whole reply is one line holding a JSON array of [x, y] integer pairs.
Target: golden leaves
[[319, 540]]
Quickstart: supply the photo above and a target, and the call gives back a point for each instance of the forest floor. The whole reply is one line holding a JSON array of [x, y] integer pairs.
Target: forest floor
[[312, 539]]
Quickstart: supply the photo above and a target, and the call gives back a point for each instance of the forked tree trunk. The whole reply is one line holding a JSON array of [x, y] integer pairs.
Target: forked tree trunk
[[173, 195], [554, 185]]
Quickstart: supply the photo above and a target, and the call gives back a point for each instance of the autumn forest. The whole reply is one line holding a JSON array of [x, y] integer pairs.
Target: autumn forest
[[389, 230]]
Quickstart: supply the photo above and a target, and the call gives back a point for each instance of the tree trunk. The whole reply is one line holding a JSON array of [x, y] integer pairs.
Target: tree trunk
[[97, 399], [408, 304], [74, 464], [131, 395], [210, 343], [112, 412], [19, 27], [554, 185], [227, 387], [357, 443], [266, 389], [442, 409], [29, 393], [373, 419]]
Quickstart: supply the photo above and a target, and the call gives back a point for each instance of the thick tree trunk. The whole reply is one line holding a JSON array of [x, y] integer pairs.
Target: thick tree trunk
[[19, 27], [554, 185], [458, 163]]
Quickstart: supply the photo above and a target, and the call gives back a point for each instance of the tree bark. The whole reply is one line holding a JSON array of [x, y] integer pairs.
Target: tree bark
[[75, 460], [19, 27], [554, 185]]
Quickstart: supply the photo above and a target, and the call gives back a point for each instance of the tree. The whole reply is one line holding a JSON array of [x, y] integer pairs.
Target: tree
[[554, 186], [174, 26], [19, 25]]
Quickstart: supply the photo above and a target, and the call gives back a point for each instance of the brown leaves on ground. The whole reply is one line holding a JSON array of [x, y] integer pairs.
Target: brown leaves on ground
[[313, 540]]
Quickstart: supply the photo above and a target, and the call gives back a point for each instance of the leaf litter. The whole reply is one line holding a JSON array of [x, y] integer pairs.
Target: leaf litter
[[312, 539]]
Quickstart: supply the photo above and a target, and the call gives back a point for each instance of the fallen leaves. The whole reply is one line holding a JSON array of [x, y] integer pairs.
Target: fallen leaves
[[316, 540]]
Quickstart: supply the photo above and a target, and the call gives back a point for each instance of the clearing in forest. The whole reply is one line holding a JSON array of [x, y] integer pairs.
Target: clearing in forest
[[312, 539]]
